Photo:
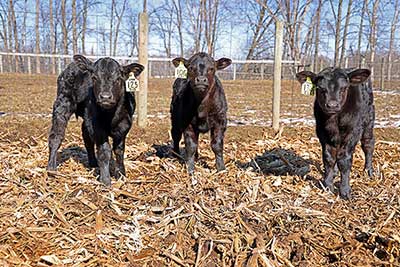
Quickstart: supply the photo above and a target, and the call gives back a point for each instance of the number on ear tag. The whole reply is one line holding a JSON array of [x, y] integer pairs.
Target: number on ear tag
[[181, 71], [307, 88], [132, 84]]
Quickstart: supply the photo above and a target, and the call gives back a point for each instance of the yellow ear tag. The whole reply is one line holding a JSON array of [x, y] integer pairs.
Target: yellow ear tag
[[132, 84], [181, 71], [307, 88]]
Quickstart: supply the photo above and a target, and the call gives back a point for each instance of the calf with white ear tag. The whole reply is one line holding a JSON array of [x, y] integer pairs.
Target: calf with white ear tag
[[345, 114]]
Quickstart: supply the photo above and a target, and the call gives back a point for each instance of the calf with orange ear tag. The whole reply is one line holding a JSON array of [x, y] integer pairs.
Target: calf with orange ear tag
[[199, 105]]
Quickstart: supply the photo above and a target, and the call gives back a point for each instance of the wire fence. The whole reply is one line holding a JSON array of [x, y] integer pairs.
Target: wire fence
[[158, 67], [31, 63]]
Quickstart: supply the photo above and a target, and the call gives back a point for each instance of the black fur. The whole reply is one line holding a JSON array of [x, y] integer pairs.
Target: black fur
[[95, 92], [199, 105], [345, 114]]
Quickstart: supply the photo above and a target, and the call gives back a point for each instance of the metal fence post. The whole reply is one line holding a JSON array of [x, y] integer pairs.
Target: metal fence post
[[1, 64], [234, 71]]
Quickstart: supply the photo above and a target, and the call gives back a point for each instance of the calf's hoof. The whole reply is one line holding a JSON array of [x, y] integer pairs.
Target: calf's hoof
[[221, 168], [52, 167], [370, 172], [345, 192], [328, 185], [105, 180]]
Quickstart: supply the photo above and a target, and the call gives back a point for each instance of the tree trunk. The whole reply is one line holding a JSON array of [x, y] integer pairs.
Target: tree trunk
[[64, 28], [52, 37], [74, 31], [338, 19], [179, 24], [372, 39], [346, 26], [119, 19], [37, 50], [316, 43], [360, 32], [84, 25], [15, 33], [392, 36], [113, 2], [4, 36]]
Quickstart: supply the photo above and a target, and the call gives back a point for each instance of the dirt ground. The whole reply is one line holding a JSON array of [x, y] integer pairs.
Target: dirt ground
[[267, 209]]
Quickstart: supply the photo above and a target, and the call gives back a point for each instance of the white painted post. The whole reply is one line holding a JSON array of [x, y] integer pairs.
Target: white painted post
[[29, 66], [1, 64], [276, 96], [143, 78], [346, 62], [234, 71]]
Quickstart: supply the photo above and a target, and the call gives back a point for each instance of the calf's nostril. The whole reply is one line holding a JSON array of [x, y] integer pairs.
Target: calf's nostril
[[105, 96]]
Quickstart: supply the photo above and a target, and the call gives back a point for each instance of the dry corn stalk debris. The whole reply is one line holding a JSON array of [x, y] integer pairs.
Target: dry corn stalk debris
[[266, 209]]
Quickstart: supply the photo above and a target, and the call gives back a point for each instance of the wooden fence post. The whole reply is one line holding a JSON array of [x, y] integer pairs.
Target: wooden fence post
[[234, 71], [1, 64], [276, 96], [262, 71], [143, 78]]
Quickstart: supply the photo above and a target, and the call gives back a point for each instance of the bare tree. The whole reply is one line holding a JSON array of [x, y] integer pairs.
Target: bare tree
[[64, 26], [372, 36], [52, 36], [119, 15], [392, 37], [317, 32], [74, 30], [13, 23], [37, 50], [179, 23], [84, 24], [346, 27], [360, 32], [113, 3], [338, 23]]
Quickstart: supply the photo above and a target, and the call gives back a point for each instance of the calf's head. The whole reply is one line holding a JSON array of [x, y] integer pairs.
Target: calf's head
[[201, 71], [108, 78], [332, 85]]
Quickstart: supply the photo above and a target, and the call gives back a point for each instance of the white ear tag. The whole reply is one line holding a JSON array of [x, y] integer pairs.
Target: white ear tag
[[132, 84], [307, 88], [181, 71]]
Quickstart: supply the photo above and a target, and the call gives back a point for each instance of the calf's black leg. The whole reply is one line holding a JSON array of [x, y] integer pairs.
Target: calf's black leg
[[217, 145], [119, 148], [367, 145], [329, 160], [103, 159], [62, 111], [176, 138], [191, 143], [344, 163], [89, 145]]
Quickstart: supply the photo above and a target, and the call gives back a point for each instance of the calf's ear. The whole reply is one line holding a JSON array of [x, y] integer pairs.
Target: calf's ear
[[303, 75], [223, 62], [83, 63], [134, 67], [178, 60], [359, 76]]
